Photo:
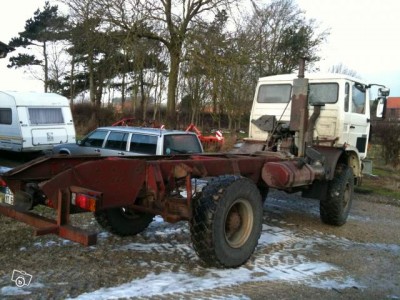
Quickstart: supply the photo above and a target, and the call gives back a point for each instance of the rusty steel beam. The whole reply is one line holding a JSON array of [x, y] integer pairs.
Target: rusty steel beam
[[60, 227], [78, 235], [26, 217]]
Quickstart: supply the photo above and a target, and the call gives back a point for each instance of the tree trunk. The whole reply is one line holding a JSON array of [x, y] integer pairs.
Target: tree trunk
[[172, 86], [92, 92], [46, 69], [143, 100], [229, 121], [194, 110], [123, 91], [99, 93], [71, 81], [156, 97]]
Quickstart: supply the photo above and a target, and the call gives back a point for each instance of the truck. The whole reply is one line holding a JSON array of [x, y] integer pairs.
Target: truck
[[221, 195], [33, 121]]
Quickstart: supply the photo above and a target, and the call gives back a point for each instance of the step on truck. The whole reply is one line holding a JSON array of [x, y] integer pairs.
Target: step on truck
[[305, 142]]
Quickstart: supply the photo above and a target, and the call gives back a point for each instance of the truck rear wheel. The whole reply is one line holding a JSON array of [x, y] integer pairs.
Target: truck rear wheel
[[227, 221], [123, 221], [334, 209]]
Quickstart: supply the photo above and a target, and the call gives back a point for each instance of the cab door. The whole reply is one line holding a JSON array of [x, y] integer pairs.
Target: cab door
[[357, 117]]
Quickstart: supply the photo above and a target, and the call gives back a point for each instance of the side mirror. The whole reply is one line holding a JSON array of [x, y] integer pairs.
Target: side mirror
[[383, 92], [79, 142], [380, 108]]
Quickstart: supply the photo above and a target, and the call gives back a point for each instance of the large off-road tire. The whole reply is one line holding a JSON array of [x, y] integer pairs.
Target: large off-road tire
[[334, 208], [227, 221], [123, 221]]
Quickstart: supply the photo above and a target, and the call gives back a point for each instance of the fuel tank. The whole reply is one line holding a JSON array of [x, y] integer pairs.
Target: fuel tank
[[287, 174]]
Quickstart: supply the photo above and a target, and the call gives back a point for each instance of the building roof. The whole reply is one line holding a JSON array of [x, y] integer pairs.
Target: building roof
[[393, 102]]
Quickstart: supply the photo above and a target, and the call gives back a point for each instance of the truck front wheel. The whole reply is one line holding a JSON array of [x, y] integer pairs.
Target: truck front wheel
[[227, 221], [123, 221], [335, 207]]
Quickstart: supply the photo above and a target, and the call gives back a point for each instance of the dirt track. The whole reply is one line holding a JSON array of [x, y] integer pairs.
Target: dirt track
[[297, 257]]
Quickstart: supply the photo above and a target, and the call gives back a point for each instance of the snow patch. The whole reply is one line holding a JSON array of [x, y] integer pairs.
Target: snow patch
[[17, 291], [13, 291], [182, 282], [333, 284]]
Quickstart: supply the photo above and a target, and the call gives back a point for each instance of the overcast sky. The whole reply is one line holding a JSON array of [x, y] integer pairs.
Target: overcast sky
[[364, 36]]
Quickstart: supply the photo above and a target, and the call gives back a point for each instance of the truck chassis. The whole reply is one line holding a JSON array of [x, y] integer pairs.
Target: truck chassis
[[225, 213], [126, 193]]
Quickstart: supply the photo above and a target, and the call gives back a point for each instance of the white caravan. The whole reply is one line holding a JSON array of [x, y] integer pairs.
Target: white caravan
[[31, 121]]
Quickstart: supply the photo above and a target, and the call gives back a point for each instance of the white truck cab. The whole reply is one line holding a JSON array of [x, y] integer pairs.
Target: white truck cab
[[345, 112], [339, 110], [31, 121]]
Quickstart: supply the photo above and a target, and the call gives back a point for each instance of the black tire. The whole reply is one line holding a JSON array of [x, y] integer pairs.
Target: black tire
[[334, 209], [227, 221], [122, 221]]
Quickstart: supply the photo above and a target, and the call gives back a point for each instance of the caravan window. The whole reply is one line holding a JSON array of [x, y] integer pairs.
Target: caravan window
[[5, 116], [41, 116]]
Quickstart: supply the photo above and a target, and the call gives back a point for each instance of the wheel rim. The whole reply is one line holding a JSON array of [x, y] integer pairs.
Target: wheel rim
[[238, 223], [346, 195]]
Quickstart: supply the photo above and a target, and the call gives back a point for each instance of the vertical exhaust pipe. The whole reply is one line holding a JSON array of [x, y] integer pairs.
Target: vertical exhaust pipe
[[299, 108]]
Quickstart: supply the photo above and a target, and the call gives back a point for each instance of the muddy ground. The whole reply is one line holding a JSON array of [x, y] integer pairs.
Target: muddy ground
[[298, 257]]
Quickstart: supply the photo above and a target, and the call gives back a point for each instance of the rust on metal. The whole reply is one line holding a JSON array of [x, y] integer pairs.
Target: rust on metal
[[60, 227], [148, 184], [288, 174]]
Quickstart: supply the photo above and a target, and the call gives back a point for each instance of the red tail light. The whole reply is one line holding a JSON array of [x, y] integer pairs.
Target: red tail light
[[84, 201], [2, 183]]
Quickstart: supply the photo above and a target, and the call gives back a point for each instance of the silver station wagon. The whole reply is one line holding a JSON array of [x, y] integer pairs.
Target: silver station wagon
[[128, 141]]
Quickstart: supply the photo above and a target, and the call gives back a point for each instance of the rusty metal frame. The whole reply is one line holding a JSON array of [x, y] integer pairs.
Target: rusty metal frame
[[120, 182], [60, 226]]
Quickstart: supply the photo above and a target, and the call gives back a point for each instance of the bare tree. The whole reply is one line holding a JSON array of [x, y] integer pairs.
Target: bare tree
[[166, 21], [84, 26], [281, 34], [342, 69]]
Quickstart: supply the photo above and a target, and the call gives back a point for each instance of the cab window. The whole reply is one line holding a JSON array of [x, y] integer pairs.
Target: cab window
[[358, 99], [346, 97], [323, 93], [274, 93]]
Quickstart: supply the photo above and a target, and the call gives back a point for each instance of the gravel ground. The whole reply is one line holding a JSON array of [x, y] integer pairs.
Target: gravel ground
[[298, 257]]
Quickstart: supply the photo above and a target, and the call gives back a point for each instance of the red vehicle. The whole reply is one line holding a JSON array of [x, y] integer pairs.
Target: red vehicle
[[220, 195], [208, 141]]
